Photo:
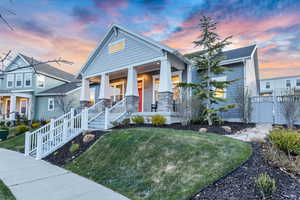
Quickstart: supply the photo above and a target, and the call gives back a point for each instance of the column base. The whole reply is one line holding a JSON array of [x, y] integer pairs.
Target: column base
[[165, 102], [132, 103]]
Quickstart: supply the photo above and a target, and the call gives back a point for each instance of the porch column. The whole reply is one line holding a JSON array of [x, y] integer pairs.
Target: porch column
[[132, 95], [85, 92], [29, 109], [165, 91], [13, 107], [104, 92]]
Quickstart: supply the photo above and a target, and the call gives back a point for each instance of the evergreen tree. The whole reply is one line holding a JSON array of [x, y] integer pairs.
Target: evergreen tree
[[208, 66]]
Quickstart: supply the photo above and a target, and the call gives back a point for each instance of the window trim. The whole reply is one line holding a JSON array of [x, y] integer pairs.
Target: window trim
[[37, 80], [286, 83], [268, 83], [30, 79], [297, 82], [50, 100], [19, 75], [8, 80]]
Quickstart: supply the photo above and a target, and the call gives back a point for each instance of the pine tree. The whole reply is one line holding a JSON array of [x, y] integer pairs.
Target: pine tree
[[208, 66]]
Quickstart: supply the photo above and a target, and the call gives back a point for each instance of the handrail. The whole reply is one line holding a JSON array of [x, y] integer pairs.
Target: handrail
[[97, 107], [117, 104], [109, 111]]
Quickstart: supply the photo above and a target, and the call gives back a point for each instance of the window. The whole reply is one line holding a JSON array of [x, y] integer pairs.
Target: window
[[298, 82], [19, 80], [40, 81], [288, 83], [23, 106], [220, 93], [28, 79], [50, 104], [268, 85], [116, 46], [10, 80]]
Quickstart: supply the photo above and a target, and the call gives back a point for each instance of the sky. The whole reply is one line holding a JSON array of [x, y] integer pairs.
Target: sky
[[70, 29]]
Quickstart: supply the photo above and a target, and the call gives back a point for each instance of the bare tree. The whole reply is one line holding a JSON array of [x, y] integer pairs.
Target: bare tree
[[64, 103], [243, 101], [290, 107]]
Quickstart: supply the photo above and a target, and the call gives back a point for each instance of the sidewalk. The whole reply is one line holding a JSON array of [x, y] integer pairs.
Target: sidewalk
[[31, 179]]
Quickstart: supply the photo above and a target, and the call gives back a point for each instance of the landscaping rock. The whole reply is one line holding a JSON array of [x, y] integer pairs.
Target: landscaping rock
[[203, 130], [227, 129], [88, 138]]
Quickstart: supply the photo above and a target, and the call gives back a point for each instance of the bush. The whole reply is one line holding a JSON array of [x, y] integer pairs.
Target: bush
[[286, 140], [8, 123], [2, 123], [35, 125], [126, 122], [74, 147], [22, 129], [266, 185], [158, 120], [138, 119], [4, 128]]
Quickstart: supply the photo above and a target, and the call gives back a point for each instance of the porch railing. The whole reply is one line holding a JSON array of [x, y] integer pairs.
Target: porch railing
[[95, 110], [53, 135], [114, 113]]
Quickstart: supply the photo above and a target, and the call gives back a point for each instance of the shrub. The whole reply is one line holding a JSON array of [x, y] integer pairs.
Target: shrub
[[4, 128], [2, 123], [115, 123], [266, 185], [35, 125], [74, 147], [22, 129], [158, 120], [126, 122], [286, 140], [8, 123], [138, 119], [44, 122]]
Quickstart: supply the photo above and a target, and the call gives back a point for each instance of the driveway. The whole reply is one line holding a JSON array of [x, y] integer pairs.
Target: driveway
[[31, 179]]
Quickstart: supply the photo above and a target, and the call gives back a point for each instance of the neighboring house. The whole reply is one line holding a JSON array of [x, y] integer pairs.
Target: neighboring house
[[280, 85], [20, 87], [144, 74]]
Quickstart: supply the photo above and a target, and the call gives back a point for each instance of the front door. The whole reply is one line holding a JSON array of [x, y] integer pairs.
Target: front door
[[140, 90]]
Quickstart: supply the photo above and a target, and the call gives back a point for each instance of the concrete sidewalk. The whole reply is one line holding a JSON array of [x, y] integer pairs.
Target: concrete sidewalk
[[31, 179]]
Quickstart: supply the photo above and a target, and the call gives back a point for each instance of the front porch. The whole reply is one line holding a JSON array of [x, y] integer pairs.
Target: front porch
[[13, 105], [147, 89]]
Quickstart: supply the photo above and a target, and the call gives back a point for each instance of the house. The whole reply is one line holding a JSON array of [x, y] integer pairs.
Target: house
[[280, 85], [20, 88], [141, 75]]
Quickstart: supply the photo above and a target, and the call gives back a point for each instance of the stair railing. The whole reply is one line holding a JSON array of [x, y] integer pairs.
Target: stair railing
[[114, 113], [95, 110]]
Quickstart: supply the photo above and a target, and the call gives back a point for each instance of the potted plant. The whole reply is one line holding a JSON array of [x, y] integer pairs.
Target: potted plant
[[3, 133]]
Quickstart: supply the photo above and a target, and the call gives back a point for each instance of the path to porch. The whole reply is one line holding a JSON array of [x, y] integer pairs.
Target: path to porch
[[31, 179]]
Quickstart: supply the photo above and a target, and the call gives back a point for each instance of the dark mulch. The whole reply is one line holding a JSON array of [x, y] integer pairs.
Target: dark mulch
[[240, 183], [235, 127], [63, 155]]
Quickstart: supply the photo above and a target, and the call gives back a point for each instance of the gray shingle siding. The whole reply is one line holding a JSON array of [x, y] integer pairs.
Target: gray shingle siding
[[135, 51]]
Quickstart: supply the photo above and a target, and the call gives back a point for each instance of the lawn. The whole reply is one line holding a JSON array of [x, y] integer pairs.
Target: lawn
[[5, 193], [152, 163], [14, 143]]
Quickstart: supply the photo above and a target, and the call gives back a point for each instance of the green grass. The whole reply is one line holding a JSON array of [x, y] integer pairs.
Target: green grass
[[5, 193], [14, 143], [153, 163]]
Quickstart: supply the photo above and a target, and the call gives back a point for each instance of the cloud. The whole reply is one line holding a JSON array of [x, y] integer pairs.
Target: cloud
[[111, 7], [84, 15], [35, 27]]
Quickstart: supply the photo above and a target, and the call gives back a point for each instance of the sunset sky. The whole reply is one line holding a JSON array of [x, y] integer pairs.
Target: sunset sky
[[47, 29]]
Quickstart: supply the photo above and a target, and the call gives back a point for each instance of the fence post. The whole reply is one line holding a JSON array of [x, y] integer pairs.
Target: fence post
[[72, 119], [65, 129], [39, 146], [106, 119], [84, 119], [51, 129], [27, 143]]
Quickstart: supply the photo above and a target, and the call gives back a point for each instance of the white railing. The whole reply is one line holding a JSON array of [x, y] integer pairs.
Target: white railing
[[95, 110], [114, 113], [58, 132]]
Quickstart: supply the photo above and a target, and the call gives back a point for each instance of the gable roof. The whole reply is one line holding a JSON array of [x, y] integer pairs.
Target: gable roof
[[61, 89], [143, 38], [234, 54], [49, 70]]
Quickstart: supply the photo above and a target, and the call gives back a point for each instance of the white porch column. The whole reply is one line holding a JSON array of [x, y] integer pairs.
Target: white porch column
[[85, 91], [104, 92], [132, 88], [165, 96], [132, 95], [13, 107], [29, 109]]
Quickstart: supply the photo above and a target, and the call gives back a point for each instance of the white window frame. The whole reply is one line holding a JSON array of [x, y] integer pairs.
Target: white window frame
[[297, 82], [10, 78], [154, 77], [19, 77], [41, 78], [28, 76], [50, 100], [286, 83], [268, 84], [221, 78], [26, 106]]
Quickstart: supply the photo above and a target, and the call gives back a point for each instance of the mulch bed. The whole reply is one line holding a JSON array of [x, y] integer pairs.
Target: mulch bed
[[235, 127], [63, 155], [240, 183]]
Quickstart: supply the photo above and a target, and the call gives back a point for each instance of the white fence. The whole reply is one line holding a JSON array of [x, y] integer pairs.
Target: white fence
[[269, 109]]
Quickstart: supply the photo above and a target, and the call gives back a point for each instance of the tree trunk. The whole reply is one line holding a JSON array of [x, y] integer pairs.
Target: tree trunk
[[208, 95]]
